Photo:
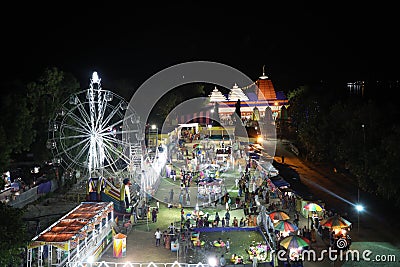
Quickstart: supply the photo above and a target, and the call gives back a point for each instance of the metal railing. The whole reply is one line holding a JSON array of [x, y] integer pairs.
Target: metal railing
[[136, 264], [30, 196], [160, 264]]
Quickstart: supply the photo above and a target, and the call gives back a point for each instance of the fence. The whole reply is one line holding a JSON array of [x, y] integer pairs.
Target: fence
[[135, 264], [33, 194], [155, 264]]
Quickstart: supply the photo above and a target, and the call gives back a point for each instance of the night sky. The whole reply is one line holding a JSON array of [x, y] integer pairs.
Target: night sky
[[297, 43]]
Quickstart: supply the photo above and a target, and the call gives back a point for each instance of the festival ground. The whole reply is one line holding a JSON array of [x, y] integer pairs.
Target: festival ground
[[140, 242]]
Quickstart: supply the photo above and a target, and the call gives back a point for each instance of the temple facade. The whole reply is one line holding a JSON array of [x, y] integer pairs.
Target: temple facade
[[258, 101], [255, 100]]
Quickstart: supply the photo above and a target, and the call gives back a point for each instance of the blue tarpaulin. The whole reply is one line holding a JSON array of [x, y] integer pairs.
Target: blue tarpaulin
[[278, 181], [44, 187]]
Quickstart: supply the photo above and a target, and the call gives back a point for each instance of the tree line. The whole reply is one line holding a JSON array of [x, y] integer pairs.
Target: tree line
[[358, 131]]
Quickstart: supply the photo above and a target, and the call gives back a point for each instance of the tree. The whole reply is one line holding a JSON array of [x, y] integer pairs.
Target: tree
[[45, 95], [329, 128], [13, 236], [16, 127]]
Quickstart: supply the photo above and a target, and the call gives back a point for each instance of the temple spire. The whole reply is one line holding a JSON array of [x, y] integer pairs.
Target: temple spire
[[263, 77]]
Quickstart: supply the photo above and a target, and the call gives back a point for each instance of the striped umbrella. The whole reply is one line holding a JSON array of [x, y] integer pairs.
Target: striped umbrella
[[335, 222], [285, 226], [311, 206], [294, 241], [278, 215]]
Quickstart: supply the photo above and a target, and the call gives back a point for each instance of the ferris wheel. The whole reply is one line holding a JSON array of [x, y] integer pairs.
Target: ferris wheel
[[91, 133]]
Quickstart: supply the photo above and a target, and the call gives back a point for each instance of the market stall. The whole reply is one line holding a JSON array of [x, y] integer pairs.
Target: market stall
[[86, 230]]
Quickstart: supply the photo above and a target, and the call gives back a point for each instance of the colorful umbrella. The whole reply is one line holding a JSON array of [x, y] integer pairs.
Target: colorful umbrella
[[285, 226], [335, 221], [294, 241], [278, 215], [197, 146], [312, 207]]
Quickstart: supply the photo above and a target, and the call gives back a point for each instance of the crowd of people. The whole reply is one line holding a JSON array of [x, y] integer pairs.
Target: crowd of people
[[253, 192]]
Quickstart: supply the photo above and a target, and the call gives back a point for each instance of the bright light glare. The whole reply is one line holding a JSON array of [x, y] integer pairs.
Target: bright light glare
[[153, 126], [259, 139], [95, 77], [212, 261], [90, 259], [359, 208]]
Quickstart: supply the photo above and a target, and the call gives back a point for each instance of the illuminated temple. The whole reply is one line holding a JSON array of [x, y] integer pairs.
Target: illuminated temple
[[260, 96]]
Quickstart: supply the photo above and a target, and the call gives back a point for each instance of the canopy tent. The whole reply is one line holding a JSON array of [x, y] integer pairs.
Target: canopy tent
[[279, 182], [267, 168]]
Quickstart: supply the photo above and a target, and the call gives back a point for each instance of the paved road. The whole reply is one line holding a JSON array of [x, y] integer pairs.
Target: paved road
[[375, 229], [339, 192]]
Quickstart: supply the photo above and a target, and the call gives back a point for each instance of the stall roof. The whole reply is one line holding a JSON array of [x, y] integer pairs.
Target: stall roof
[[73, 222], [278, 181]]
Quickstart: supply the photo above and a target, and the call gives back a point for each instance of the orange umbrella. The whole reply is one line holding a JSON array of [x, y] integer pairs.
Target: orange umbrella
[[335, 222]]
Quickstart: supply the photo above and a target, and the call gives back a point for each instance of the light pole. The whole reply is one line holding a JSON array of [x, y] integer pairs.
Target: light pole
[[364, 152], [154, 127], [359, 209]]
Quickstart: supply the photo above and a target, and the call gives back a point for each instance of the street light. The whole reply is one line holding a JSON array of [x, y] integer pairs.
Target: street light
[[154, 127], [359, 209], [364, 151]]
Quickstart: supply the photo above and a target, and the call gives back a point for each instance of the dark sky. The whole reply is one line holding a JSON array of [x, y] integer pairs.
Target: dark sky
[[297, 43]]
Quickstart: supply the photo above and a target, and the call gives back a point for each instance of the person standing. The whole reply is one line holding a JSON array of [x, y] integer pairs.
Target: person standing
[[181, 199], [228, 244], [171, 228], [255, 261], [235, 222], [217, 219], [154, 215], [241, 223], [171, 196], [313, 235], [188, 196], [222, 261], [157, 235], [227, 218]]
